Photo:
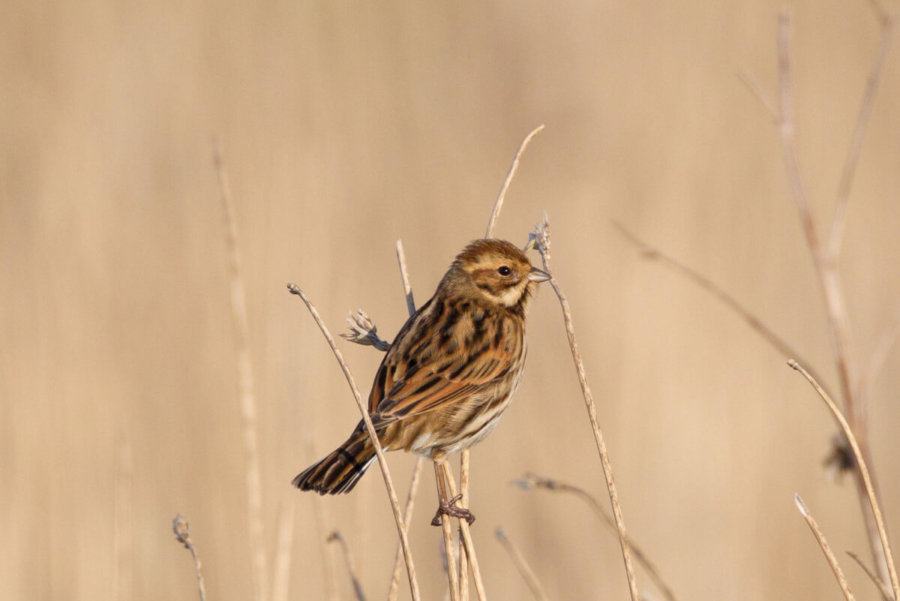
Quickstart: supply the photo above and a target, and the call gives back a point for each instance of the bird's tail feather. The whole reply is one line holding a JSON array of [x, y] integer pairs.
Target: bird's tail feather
[[341, 470]]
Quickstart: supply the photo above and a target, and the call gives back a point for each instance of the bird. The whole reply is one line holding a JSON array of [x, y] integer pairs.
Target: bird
[[449, 374]]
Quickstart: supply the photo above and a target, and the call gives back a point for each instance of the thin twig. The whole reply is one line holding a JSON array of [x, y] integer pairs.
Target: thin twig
[[284, 548], [440, 469], [379, 453], [404, 275], [826, 549], [464, 461], [886, 594], [245, 384], [863, 470], [755, 89], [531, 481], [859, 134], [498, 205], [650, 252], [417, 469], [182, 532], [351, 566], [467, 539], [522, 566], [394, 588], [541, 239]]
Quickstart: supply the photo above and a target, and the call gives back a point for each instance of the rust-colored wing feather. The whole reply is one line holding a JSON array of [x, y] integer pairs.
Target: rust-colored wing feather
[[442, 354]]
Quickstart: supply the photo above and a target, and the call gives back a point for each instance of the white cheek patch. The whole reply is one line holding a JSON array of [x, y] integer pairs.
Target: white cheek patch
[[511, 296]]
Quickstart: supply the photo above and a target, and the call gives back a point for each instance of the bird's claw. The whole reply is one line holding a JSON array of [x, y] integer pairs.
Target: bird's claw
[[449, 508]]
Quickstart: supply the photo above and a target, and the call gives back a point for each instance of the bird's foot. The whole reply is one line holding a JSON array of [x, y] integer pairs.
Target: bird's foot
[[449, 508]]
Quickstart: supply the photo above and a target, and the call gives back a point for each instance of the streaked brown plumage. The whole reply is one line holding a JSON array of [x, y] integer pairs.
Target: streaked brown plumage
[[451, 370]]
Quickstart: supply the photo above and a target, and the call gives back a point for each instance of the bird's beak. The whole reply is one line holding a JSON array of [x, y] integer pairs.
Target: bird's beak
[[538, 275]]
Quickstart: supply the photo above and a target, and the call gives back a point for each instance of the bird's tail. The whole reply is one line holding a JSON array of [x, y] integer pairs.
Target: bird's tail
[[341, 470]]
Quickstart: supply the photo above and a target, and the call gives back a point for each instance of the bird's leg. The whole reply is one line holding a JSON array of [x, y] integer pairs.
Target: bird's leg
[[446, 504]]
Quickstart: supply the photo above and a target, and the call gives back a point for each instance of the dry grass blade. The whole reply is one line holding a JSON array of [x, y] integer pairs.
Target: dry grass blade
[[464, 462], [522, 566], [826, 549], [864, 472], [859, 133], [440, 470], [886, 594], [182, 532], [404, 275], [760, 94], [501, 196], [650, 252], [467, 539], [351, 566], [379, 453], [541, 239], [394, 588], [245, 383], [531, 481]]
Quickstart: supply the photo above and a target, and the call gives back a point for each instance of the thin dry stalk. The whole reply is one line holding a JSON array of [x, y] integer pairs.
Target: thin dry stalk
[[761, 95], [417, 469], [351, 565], [873, 82], [245, 384], [182, 532], [284, 548], [531, 481], [886, 594], [652, 253], [826, 549], [394, 589], [404, 275], [464, 460], [379, 453], [123, 523], [440, 468], [498, 205], [541, 239], [522, 566], [863, 470], [879, 356], [467, 539]]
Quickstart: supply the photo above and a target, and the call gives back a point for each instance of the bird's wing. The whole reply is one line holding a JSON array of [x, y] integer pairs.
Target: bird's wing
[[419, 375]]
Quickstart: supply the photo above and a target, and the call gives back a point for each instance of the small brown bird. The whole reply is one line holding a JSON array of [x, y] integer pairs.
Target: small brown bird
[[450, 372]]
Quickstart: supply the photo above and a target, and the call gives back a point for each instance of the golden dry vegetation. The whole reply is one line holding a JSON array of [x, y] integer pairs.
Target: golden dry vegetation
[[346, 126]]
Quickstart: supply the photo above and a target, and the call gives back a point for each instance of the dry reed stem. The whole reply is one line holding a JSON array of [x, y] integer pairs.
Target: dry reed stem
[[541, 239], [761, 95], [182, 532], [848, 172], [826, 549], [245, 384], [825, 258], [467, 539], [440, 470], [394, 588], [498, 204], [284, 547], [863, 470], [337, 537], [886, 594], [404, 275], [379, 453], [522, 566], [530, 481], [464, 460], [650, 252]]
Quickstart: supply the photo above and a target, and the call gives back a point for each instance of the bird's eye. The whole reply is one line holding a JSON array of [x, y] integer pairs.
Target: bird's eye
[[504, 270]]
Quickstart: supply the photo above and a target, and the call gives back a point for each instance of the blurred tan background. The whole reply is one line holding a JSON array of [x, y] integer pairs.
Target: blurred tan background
[[346, 126]]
